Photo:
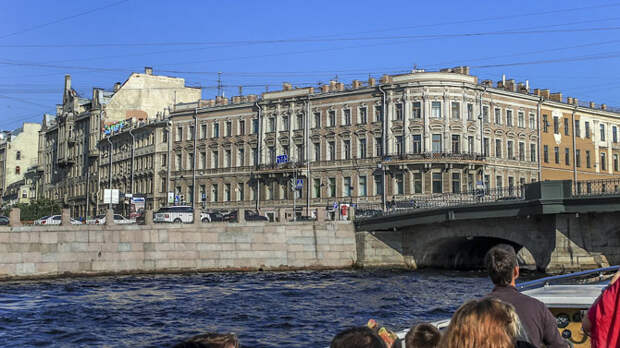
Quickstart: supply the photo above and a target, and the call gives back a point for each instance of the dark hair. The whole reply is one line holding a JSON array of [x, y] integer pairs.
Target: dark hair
[[422, 336], [500, 262], [357, 337], [210, 340]]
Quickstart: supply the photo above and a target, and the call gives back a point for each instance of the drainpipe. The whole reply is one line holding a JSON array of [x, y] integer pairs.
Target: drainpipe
[[574, 147], [481, 117], [259, 146], [538, 107], [133, 144], [194, 159], [308, 176], [383, 144], [110, 170], [169, 160]]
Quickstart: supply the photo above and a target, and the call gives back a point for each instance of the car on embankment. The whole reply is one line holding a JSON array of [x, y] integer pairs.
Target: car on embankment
[[53, 220], [118, 220], [178, 214]]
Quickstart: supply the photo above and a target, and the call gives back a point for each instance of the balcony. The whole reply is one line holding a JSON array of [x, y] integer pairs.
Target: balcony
[[435, 157]]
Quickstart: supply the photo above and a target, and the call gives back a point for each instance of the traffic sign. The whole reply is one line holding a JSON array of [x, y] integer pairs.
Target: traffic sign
[[335, 205], [282, 159], [299, 184]]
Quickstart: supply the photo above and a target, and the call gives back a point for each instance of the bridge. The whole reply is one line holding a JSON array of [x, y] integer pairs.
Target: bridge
[[555, 225]]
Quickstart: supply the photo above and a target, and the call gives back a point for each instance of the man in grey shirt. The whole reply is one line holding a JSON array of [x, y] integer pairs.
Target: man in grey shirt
[[541, 327]]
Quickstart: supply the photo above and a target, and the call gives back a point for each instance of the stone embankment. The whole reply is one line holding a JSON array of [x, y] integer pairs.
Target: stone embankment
[[48, 251]]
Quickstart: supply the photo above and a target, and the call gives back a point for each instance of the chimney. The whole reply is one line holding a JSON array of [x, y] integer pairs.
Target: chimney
[[520, 87], [527, 85], [236, 100], [545, 93], [67, 82], [537, 92], [218, 100], [340, 86], [287, 86], [465, 70], [252, 98], [487, 83], [224, 101], [386, 79], [356, 84], [603, 106], [445, 70], [569, 100], [372, 81], [117, 86], [510, 85], [592, 105], [148, 70], [332, 85], [575, 101], [95, 101], [501, 84], [324, 88], [556, 97], [503, 79]]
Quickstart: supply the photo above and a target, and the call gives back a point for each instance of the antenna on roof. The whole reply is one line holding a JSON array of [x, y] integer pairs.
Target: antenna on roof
[[219, 84]]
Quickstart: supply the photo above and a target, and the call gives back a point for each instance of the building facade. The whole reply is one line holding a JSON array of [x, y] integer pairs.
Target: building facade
[[407, 137], [18, 152]]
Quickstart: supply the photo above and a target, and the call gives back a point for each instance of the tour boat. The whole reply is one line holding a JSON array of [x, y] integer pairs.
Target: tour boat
[[567, 296]]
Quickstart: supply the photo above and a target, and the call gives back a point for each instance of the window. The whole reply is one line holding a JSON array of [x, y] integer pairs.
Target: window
[[332, 118], [379, 147], [587, 129], [400, 184], [317, 151], [316, 188], [456, 110], [332, 187], [399, 144], [456, 182], [485, 147], [227, 159], [241, 127], [271, 154], [546, 153], [532, 152], [456, 144], [228, 128], [378, 185], [362, 148], [271, 124], [485, 113], [509, 118], [498, 148], [437, 184], [399, 112], [363, 191], [18, 155], [521, 119], [499, 182], [498, 116], [532, 121], [300, 153], [164, 160], [588, 159], [164, 136], [545, 124], [190, 161], [417, 182], [521, 151], [216, 130], [214, 193], [347, 186], [179, 162], [470, 112], [179, 136], [17, 170], [285, 123], [363, 115], [203, 131], [378, 113], [317, 120], [436, 142], [254, 156], [346, 149], [215, 159], [226, 192], [510, 150], [470, 144], [300, 122], [346, 117], [577, 129], [331, 150], [417, 110], [417, 143], [565, 126], [240, 192], [602, 132], [556, 125], [556, 153], [436, 109], [603, 161], [577, 158], [615, 157], [254, 126], [614, 134], [240, 157]]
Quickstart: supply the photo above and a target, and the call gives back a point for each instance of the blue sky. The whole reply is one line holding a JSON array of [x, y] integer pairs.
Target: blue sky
[[571, 47]]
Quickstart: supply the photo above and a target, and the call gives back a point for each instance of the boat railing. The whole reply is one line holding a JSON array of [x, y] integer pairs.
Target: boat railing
[[538, 283]]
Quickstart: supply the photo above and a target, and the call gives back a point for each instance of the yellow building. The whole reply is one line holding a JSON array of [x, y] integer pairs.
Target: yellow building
[[18, 152]]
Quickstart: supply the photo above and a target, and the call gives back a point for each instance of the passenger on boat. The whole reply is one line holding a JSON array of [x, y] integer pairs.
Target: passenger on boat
[[539, 323], [210, 340], [485, 323], [422, 336], [358, 337], [603, 320]]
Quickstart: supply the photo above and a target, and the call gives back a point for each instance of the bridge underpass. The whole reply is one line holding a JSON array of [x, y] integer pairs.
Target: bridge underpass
[[551, 227]]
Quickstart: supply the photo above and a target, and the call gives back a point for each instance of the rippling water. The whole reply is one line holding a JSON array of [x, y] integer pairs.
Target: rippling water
[[265, 309]]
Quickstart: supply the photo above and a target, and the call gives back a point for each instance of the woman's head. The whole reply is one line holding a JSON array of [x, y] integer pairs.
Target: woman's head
[[486, 323]]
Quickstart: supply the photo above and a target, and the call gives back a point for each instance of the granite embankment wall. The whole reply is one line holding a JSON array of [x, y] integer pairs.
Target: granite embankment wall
[[35, 251]]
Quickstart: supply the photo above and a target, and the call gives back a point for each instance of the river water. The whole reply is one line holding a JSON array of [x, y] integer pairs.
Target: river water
[[265, 309]]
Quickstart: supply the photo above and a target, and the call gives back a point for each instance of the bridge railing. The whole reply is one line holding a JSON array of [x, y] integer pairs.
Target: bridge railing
[[441, 200], [587, 188]]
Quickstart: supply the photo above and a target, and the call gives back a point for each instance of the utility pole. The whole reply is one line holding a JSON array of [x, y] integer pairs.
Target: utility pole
[[219, 84]]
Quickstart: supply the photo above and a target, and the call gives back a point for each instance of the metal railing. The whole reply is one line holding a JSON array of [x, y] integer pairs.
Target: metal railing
[[587, 188]]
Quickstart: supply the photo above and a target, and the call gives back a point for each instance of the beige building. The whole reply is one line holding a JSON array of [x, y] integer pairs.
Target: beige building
[[18, 152], [70, 141], [407, 137]]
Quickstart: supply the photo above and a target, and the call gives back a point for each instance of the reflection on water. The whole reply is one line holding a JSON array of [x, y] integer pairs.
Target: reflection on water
[[266, 309]]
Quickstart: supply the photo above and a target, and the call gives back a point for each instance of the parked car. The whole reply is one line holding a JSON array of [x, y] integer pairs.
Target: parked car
[[177, 214], [213, 217], [4, 220], [54, 220], [118, 219], [249, 216]]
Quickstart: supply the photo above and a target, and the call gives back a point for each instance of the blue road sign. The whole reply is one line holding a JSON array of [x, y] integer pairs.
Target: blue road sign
[[177, 198], [299, 184], [335, 205], [282, 159]]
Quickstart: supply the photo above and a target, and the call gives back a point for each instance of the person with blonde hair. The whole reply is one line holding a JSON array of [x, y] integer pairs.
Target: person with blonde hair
[[485, 323]]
